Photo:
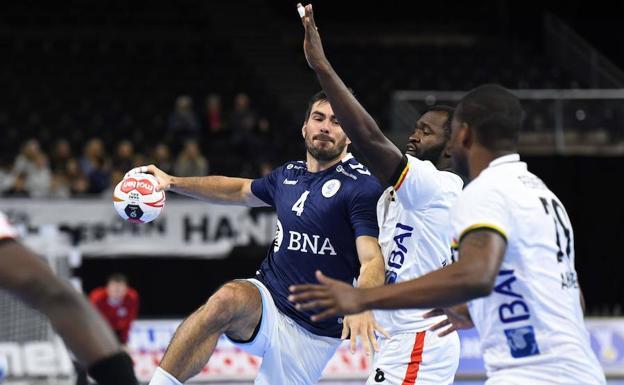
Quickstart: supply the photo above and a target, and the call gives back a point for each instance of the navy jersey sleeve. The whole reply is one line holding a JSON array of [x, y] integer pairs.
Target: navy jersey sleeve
[[363, 210], [264, 188]]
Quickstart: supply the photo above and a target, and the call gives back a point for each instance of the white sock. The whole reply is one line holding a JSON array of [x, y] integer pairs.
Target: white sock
[[161, 377]]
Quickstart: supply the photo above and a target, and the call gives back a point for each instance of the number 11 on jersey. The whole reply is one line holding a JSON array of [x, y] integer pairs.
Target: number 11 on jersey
[[298, 206]]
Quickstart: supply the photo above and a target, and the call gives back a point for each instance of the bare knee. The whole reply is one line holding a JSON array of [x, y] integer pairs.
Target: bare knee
[[234, 301]]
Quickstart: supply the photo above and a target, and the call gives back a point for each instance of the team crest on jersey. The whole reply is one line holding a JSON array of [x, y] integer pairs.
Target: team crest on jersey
[[330, 188]]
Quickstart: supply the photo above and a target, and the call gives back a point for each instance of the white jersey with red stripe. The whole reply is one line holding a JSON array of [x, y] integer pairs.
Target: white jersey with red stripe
[[531, 326], [6, 230], [415, 233]]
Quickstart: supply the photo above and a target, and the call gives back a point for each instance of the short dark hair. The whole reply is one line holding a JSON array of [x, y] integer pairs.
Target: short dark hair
[[317, 97], [118, 277], [449, 116], [495, 114]]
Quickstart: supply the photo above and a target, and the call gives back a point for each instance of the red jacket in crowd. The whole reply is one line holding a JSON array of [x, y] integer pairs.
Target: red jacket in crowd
[[119, 316]]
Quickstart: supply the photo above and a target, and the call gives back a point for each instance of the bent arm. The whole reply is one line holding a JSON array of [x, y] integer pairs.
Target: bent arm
[[372, 266], [481, 253], [382, 155], [217, 189]]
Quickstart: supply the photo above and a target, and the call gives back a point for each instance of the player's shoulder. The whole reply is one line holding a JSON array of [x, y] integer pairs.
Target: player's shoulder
[[446, 180], [292, 167], [483, 188], [355, 172]]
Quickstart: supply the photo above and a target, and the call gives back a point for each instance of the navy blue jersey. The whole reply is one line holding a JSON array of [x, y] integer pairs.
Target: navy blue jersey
[[319, 217]]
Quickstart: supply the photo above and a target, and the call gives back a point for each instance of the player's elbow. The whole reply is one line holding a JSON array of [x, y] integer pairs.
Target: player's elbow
[[50, 294], [477, 284]]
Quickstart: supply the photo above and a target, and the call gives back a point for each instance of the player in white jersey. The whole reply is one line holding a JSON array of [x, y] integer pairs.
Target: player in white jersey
[[515, 259], [82, 328], [414, 222]]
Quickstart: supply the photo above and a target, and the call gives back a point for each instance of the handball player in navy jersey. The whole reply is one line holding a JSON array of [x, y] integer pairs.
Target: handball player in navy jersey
[[326, 210]]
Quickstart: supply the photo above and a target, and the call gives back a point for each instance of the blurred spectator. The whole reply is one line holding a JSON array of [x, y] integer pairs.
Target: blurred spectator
[[78, 183], [118, 303], [99, 179], [213, 113], [242, 119], [95, 166], [59, 186], [162, 158], [18, 189], [124, 156], [61, 154], [183, 123], [25, 160], [191, 162], [116, 177], [39, 179], [7, 178], [93, 154], [265, 168], [79, 187]]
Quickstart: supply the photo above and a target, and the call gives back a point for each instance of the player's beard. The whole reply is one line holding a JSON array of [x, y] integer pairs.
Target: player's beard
[[325, 154], [460, 163], [432, 154]]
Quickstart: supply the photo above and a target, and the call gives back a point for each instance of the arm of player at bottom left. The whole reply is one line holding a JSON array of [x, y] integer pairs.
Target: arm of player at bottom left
[[84, 331]]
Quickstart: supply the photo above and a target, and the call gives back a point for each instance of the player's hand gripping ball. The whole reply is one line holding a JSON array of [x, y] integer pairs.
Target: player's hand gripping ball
[[136, 200]]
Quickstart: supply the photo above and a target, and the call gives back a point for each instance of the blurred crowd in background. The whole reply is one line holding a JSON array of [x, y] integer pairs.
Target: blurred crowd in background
[[197, 141]]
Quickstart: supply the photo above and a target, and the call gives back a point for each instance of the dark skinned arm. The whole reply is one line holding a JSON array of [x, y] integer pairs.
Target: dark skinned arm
[[480, 255], [382, 156]]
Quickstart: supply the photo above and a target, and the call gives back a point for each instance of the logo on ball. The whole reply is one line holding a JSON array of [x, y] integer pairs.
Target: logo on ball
[[136, 200]]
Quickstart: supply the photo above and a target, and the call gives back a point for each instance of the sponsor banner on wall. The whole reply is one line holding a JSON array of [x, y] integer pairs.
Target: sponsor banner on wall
[[149, 339], [185, 227]]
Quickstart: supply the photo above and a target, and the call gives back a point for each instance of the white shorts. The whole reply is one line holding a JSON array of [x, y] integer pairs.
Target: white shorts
[[416, 358], [291, 355]]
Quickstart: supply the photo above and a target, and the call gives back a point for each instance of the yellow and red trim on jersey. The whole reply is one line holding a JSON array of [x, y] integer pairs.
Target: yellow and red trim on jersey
[[401, 177], [479, 226]]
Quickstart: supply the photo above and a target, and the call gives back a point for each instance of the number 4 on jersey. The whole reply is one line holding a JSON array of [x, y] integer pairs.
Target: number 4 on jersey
[[298, 206]]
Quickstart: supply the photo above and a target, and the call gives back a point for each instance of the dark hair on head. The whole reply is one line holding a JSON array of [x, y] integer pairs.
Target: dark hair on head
[[449, 116], [317, 97], [495, 114], [118, 277]]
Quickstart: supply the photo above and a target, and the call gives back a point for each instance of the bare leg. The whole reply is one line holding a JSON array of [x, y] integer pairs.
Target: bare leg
[[235, 309]]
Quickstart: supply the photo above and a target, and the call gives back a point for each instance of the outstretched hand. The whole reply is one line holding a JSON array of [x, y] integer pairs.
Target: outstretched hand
[[164, 179], [457, 318], [312, 45], [331, 298]]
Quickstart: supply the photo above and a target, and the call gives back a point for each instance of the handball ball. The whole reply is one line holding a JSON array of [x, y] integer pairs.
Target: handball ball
[[136, 200]]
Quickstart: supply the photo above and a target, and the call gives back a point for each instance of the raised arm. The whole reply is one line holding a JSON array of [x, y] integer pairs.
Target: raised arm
[[213, 188], [382, 155]]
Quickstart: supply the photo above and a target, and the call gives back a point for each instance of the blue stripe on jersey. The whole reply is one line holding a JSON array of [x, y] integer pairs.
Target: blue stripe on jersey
[[319, 216]]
